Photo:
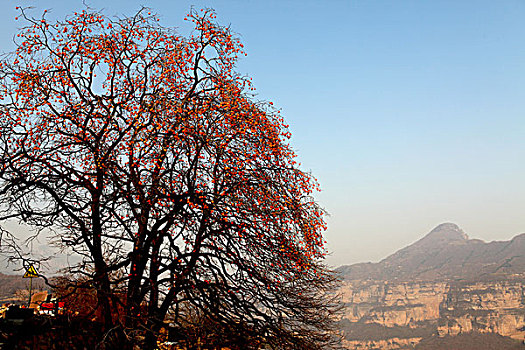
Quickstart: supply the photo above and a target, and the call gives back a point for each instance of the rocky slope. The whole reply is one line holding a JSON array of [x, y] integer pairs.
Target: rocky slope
[[443, 285], [445, 253]]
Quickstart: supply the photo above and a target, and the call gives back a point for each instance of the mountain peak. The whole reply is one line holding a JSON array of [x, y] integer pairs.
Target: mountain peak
[[446, 252], [447, 232]]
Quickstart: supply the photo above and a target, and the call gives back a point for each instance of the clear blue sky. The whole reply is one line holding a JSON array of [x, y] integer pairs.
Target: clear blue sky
[[410, 113]]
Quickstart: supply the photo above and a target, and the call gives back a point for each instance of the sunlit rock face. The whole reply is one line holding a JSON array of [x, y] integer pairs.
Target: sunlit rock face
[[397, 314], [444, 284], [392, 304], [490, 307]]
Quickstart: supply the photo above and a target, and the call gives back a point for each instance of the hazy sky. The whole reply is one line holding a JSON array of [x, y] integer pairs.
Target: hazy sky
[[409, 113]]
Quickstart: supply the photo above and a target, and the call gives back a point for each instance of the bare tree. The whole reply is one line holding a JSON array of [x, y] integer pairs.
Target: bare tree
[[148, 156]]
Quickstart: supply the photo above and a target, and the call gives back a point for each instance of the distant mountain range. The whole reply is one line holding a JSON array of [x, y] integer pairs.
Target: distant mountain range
[[13, 288], [445, 253]]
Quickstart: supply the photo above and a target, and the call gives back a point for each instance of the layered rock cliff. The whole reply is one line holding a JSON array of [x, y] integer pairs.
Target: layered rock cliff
[[443, 285]]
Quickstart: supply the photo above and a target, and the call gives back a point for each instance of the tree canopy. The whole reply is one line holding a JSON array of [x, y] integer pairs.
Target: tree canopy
[[147, 155]]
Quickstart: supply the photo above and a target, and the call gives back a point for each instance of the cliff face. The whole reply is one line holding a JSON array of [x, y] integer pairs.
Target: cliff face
[[416, 293], [497, 307], [397, 315], [393, 304]]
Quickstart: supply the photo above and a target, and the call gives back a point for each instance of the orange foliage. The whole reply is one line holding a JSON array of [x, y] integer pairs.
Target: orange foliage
[[156, 162]]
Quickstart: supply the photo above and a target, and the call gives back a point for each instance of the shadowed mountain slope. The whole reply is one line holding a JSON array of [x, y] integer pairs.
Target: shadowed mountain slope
[[445, 253]]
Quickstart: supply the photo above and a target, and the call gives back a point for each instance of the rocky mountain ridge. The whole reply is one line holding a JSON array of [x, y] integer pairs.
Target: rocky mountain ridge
[[444, 285], [445, 253]]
